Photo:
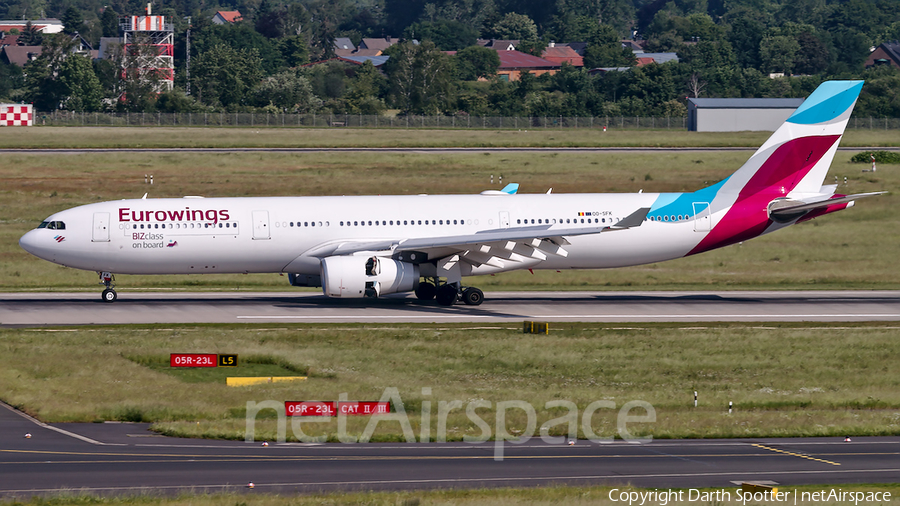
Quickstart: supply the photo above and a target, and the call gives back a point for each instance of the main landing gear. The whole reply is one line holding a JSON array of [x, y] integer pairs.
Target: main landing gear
[[448, 294], [109, 293]]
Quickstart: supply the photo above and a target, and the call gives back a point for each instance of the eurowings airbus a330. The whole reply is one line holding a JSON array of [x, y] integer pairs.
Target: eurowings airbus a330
[[368, 246]]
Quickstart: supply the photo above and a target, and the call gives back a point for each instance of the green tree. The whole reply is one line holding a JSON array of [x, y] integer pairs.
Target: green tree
[[364, 91], [61, 79], [293, 50], [514, 26], [73, 21], [605, 50], [31, 36], [477, 62], [223, 76], [446, 35], [175, 101], [79, 86], [778, 53], [239, 37], [420, 78], [329, 79], [287, 91], [534, 47], [42, 84], [11, 79], [745, 36], [109, 21]]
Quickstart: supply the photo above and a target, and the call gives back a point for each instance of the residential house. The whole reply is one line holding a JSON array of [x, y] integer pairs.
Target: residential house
[[343, 46], [223, 17], [376, 45], [20, 55], [514, 63], [888, 53], [8, 40], [562, 54], [355, 59], [633, 45], [578, 47]]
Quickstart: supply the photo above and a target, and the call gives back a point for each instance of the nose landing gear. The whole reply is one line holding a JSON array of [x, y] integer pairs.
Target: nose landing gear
[[109, 293]]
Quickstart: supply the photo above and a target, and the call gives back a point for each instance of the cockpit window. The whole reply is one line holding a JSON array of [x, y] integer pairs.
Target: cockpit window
[[53, 225]]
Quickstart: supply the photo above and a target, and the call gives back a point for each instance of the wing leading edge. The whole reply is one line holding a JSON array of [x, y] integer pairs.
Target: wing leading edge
[[482, 247]]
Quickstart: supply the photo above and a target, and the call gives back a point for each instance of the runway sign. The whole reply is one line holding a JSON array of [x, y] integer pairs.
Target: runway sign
[[228, 360], [351, 408], [193, 360]]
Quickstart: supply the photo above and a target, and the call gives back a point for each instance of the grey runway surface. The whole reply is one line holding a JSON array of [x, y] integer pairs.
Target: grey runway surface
[[432, 150], [125, 459], [84, 308]]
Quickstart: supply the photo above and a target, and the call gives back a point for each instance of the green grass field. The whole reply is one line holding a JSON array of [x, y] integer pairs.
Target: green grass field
[[543, 496], [164, 137], [853, 249], [784, 379]]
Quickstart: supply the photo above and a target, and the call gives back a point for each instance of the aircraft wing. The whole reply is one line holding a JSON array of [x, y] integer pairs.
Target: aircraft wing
[[534, 241]]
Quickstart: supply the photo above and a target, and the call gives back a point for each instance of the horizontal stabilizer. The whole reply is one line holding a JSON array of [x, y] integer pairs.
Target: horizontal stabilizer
[[786, 210]]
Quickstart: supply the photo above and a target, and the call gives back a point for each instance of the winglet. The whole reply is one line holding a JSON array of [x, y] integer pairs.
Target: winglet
[[634, 219], [511, 188]]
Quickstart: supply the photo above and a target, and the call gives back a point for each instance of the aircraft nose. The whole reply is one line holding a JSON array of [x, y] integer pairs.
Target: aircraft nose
[[30, 243]]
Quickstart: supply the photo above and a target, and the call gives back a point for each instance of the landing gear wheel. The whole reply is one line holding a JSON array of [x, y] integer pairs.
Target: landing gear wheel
[[109, 295], [472, 296], [447, 295], [425, 291]]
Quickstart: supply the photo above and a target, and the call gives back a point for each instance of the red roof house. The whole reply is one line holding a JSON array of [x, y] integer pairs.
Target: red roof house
[[562, 54], [223, 17], [514, 63]]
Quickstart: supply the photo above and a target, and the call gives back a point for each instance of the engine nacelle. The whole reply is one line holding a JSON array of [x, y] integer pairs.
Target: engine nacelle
[[353, 277]]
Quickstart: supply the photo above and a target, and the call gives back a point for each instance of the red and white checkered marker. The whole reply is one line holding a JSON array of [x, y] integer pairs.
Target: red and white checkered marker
[[16, 115]]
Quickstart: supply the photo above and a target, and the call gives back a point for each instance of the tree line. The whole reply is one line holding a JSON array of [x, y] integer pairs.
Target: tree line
[[262, 63]]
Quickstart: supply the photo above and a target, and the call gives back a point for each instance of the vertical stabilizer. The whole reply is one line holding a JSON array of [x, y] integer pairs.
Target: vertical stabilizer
[[791, 164], [795, 159]]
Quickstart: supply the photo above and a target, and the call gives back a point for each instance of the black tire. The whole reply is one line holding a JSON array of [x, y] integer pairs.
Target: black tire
[[426, 291], [447, 295], [473, 296], [109, 295]]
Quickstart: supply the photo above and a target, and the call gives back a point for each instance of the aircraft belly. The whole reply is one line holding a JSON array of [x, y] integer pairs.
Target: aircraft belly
[[649, 243], [189, 255]]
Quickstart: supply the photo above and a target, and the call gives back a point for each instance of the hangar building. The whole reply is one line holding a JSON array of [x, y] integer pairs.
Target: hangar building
[[739, 114]]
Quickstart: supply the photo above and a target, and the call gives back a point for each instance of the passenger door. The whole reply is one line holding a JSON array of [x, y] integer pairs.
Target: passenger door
[[101, 228], [261, 225], [504, 219], [702, 218]]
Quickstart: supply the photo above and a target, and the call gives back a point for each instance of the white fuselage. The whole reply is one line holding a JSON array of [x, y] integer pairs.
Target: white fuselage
[[285, 234]]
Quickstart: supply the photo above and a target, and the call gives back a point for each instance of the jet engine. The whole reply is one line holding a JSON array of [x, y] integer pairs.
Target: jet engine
[[353, 277]]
